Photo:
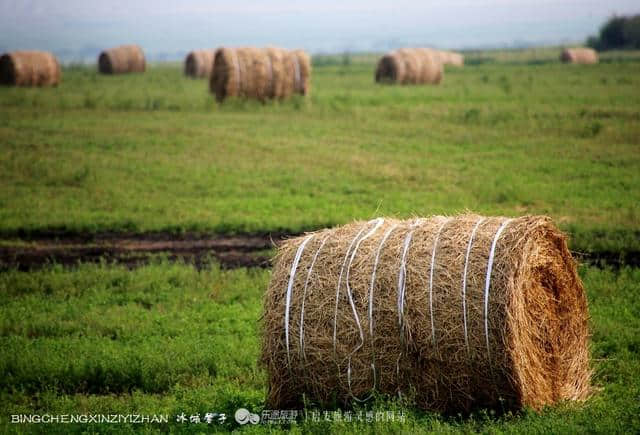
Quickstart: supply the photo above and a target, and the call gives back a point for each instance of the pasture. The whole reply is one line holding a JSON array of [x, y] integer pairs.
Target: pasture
[[511, 133]]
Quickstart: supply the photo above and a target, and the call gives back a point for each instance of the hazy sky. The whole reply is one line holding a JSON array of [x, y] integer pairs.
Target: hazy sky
[[80, 28]]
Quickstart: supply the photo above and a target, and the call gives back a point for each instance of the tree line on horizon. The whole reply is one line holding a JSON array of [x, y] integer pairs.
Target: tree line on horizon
[[619, 32]]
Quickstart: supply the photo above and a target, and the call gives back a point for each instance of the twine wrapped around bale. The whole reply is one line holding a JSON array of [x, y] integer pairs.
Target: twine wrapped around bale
[[122, 59], [29, 68], [410, 66], [261, 73], [454, 312], [585, 56], [199, 63]]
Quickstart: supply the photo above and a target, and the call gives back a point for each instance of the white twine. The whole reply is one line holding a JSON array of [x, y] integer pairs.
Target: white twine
[[344, 263], [402, 273], [292, 275], [372, 286], [488, 282], [296, 73], [378, 223], [349, 382], [433, 261], [464, 281], [304, 294]]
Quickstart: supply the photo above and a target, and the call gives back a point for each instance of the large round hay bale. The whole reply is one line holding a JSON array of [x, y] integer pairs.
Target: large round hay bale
[[262, 73], [410, 66], [455, 313], [199, 63], [122, 59], [451, 58], [29, 68], [585, 56]]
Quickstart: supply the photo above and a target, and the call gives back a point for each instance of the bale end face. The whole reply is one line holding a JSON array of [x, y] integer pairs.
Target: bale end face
[[190, 68], [219, 81], [387, 70], [104, 64], [7, 71]]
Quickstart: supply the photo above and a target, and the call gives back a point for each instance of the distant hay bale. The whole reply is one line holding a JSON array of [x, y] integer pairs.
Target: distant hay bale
[[451, 58], [261, 73], [122, 59], [29, 68], [585, 56], [456, 313], [199, 63], [410, 66]]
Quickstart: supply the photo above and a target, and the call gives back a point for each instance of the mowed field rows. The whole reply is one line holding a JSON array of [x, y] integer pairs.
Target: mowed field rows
[[153, 153]]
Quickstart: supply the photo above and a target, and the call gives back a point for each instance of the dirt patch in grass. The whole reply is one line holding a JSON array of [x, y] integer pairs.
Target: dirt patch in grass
[[134, 250], [232, 251]]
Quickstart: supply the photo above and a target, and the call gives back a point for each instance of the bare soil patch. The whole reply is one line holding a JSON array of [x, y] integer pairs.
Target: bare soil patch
[[135, 249]]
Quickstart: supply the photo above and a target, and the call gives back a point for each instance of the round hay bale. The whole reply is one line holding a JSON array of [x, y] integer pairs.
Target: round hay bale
[[261, 73], [122, 59], [585, 56], [409, 66], [451, 58], [455, 313], [29, 68], [199, 63]]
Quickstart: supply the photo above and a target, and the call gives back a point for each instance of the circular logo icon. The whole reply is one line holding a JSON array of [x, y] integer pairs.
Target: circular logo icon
[[242, 415]]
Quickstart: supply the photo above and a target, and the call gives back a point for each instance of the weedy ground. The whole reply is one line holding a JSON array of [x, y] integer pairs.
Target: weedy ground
[[169, 339], [511, 133]]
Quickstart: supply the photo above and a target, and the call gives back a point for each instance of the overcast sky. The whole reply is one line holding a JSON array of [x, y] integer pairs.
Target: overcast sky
[[80, 28]]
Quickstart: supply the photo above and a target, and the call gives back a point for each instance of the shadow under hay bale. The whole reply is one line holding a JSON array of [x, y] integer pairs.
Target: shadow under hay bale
[[260, 73], [122, 59], [410, 66], [199, 63], [585, 56], [456, 313], [29, 68]]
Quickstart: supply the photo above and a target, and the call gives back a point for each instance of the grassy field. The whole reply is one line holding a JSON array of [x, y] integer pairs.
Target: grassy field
[[154, 152], [168, 339], [512, 133]]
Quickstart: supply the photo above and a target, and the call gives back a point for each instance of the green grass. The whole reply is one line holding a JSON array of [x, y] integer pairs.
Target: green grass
[[168, 339], [154, 152], [513, 133]]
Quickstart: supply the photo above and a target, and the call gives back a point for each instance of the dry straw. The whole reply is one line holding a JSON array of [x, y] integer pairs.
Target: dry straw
[[451, 58], [199, 63], [410, 66], [29, 68], [122, 59], [585, 56], [453, 312], [261, 73]]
